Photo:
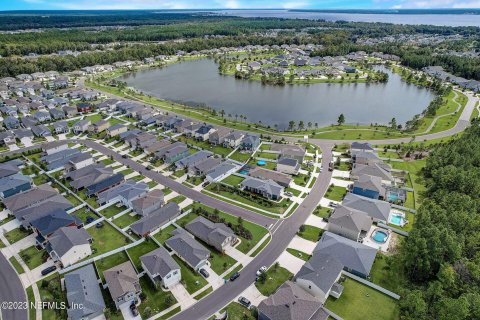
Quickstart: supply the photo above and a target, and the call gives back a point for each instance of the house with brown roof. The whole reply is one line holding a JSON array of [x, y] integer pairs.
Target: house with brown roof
[[123, 283]]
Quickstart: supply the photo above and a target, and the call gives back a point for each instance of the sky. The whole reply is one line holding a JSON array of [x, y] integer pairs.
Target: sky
[[233, 4]]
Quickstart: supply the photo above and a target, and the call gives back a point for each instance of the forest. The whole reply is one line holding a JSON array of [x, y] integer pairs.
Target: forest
[[441, 257]]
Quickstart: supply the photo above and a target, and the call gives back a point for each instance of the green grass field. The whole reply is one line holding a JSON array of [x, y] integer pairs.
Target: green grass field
[[106, 238], [275, 278]]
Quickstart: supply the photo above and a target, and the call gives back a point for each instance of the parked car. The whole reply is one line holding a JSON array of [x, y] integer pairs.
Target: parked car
[[124, 156], [288, 194], [333, 204], [90, 219], [204, 273], [99, 225], [234, 276], [134, 309], [206, 183], [48, 270], [261, 270], [331, 166], [244, 301]]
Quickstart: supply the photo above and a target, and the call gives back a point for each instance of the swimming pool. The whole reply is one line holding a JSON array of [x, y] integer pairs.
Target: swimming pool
[[392, 197], [380, 236], [261, 163], [397, 219], [243, 171]]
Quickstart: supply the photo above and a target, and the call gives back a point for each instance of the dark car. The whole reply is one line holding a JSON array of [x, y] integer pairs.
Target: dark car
[[204, 273], [234, 276], [90, 219], [99, 225], [134, 309], [124, 156], [48, 270], [205, 184], [244, 301]]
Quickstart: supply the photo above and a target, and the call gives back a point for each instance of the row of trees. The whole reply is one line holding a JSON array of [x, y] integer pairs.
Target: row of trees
[[442, 254]]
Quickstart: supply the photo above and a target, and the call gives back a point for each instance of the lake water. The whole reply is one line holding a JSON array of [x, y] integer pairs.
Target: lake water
[[198, 81], [453, 20]]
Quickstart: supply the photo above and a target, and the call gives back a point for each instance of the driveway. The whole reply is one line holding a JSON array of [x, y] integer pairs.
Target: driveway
[[316, 221], [183, 297], [341, 183], [126, 313], [290, 262], [252, 294], [238, 255], [301, 244], [214, 279]]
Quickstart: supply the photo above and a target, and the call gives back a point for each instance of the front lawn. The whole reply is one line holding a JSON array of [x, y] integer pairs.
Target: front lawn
[[359, 302], [275, 277], [33, 257], [299, 254], [322, 212], [336, 193], [233, 180], [18, 267], [236, 311], [126, 172], [179, 173], [300, 180], [156, 300], [106, 238], [50, 289], [16, 234], [139, 250], [193, 281], [178, 199], [310, 233]]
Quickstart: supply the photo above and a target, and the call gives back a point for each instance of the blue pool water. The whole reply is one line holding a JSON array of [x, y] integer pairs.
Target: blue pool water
[[380, 236], [396, 219], [392, 197], [261, 163], [243, 171]]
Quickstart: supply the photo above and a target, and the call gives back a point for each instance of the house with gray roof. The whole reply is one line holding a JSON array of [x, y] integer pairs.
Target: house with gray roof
[[42, 116], [377, 209], [8, 169], [43, 208], [290, 302], [83, 290], [288, 166], [41, 131], [68, 245], [365, 157], [361, 146], [88, 175], [148, 203], [370, 187], [290, 151], [356, 257], [124, 193], [218, 136], [192, 159], [319, 276], [57, 114], [11, 123], [233, 139], [349, 223], [376, 169], [60, 127], [266, 174], [161, 268], [70, 111], [116, 129], [266, 188], [221, 171], [105, 184], [14, 184], [81, 126], [217, 235], [59, 159], [79, 161], [155, 219], [201, 168], [188, 249], [250, 142], [123, 283], [30, 198], [45, 226]]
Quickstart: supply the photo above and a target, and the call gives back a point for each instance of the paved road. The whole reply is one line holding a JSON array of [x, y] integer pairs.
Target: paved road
[[283, 232], [180, 188], [11, 290]]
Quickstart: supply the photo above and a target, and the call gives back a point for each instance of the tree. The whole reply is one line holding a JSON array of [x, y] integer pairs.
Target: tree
[[262, 277], [301, 125], [147, 312], [341, 119], [393, 123], [291, 125], [168, 300]]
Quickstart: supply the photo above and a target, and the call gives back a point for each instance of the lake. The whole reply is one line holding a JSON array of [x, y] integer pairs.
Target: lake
[[198, 81]]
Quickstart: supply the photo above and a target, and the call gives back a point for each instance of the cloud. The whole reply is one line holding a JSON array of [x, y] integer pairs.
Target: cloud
[[429, 4]]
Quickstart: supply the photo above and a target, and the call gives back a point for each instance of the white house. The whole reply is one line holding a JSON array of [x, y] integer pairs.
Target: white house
[[161, 268], [69, 245]]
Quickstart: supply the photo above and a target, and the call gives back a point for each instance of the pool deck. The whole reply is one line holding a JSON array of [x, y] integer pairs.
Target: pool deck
[[372, 243]]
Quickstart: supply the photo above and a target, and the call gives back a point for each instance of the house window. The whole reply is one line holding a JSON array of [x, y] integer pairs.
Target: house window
[[168, 277], [175, 272], [309, 287]]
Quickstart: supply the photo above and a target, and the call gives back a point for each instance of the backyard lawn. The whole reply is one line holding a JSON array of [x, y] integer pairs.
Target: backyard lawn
[[310, 233], [155, 299], [266, 155], [193, 281], [126, 220], [359, 302], [388, 275], [139, 250], [110, 262], [164, 234], [336, 193], [112, 210], [106, 239], [240, 156], [32, 257], [275, 278], [418, 182]]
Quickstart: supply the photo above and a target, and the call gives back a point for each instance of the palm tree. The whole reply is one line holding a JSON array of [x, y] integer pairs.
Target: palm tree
[[309, 124], [291, 125], [222, 113]]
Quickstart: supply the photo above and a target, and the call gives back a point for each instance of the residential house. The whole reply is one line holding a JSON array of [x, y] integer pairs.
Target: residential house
[[42, 116], [380, 170], [173, 152], [45, 226], [370, 187], [188, 249], [125, 193], [221, 171], [148, 203], [83, 290], [288, 166], [85, 107], [290, 151], [68, 245], [201, 168], [116, 129], [70, 111], [218, 136], [290, 302], [319, 276], [81, 126], [88, 175], [203, 133], [190, 129], [60, 127], [102, 186], [193, 159], [233, 140], [361, 146], [99, 126], [11, 123], [41, 131], [250, 142], [59, 159], [377, 209], [7, 138], [161, 268], [266, 188], [8, 169], [365, 157], [29, 121], [157, 146], [108, 105], [356, 257], [155, 219], [123, 283], [42, 208], [265, 174], [54, 147], [14, 184], [57, 114], [79, 161], [349, 223], [30, 198], [217, 235]]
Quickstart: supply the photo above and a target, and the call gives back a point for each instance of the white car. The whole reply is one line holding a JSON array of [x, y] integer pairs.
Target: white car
[[261, 270]]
